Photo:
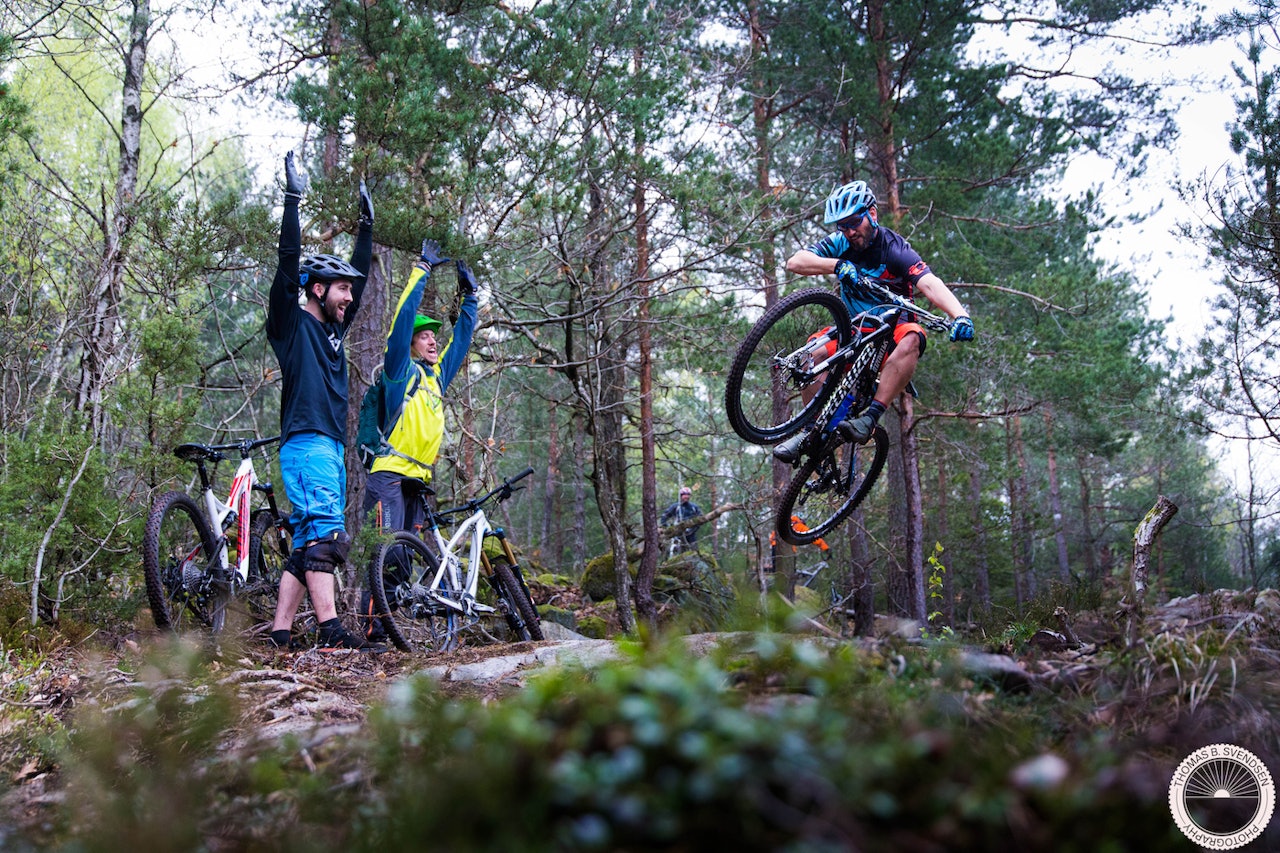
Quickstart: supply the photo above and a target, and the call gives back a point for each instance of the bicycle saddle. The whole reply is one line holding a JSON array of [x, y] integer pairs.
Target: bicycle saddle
[[196, 452]]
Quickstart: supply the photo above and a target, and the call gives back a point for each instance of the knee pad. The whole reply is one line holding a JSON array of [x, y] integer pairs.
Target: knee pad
[[329, 553], [294, 565]]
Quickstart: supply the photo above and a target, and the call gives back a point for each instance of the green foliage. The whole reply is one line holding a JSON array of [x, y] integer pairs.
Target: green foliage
[[142, 768], [16, 630], [13, 117], [41, 467], [664, 751], [934, 581], [769, 744]]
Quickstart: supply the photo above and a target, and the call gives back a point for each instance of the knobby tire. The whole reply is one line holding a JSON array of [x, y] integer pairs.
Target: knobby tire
[[176, 548], [765, 401], [270, 543], [522, 615], [411, 623], [822, 501]]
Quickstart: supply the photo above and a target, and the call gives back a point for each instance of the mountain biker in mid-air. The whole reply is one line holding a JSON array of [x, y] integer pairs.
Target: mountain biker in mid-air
[[861, 246]]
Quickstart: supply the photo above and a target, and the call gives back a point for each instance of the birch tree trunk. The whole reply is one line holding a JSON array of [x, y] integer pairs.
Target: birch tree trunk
[[648, 570], [1144, 539], [105, 294]]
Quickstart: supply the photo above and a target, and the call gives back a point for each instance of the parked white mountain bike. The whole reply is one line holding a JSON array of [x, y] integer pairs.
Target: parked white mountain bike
[[426, 590], [198, 557]]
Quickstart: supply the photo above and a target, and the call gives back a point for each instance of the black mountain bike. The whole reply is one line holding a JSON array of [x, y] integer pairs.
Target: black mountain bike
[[426, 589], [198, 556], [785, 378]]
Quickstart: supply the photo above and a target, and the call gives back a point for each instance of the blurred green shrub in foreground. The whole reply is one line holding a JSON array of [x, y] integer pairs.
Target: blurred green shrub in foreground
[[778, 744]]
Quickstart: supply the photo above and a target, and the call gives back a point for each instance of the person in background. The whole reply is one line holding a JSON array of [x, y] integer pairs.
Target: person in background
[[683, 510]]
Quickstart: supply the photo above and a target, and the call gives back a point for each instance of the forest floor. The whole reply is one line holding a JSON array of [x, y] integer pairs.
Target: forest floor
[[1225, 643]]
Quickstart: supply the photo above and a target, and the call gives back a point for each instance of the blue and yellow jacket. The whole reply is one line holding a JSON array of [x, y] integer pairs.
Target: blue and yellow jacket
[[419, 428]]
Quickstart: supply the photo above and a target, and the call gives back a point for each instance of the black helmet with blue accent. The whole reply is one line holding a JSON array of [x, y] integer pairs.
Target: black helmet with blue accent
[[851, 199], [326, 268]]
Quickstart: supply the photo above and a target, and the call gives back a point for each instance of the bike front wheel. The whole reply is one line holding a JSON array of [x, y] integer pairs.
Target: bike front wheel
[[516, 604], [829, 486], [772, 391], [270, 542], [177, 551], [399, 574]]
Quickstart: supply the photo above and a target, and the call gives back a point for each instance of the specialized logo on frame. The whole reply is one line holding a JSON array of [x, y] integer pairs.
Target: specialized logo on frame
[[1222, 796]]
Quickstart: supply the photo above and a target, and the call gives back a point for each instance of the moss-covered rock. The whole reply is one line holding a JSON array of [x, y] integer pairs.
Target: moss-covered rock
[[550, 613], [597, 581], [594, 627]]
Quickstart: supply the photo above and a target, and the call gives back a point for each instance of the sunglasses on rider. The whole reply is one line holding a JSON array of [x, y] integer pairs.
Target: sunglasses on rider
[[853, 222]]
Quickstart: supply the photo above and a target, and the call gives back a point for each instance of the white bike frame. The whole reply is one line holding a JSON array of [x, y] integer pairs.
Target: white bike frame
[[475, 527], [238, 502]]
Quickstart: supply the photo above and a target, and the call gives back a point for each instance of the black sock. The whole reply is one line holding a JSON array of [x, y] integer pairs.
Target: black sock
[[876, 409], [330, 626], [281, 637]]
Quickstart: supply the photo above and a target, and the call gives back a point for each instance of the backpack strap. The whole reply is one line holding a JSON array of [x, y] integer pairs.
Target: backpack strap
[[384, 443]]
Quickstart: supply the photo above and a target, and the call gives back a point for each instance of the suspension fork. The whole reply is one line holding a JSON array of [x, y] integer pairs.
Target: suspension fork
[[509, 553]]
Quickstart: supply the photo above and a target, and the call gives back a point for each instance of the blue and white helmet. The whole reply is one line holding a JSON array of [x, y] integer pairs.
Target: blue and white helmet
[[851, 199]]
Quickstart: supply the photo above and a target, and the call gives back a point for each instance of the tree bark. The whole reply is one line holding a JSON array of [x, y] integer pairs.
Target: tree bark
[[645, 605], [1144, 539], [918, 607], [578, 539], [101, 338], [944, 535], [1086, 517], [1017, 513], [981, 570], [1055, 499], [784, 563], [898, 582], [861, 579], [365, 343], [551, 538]]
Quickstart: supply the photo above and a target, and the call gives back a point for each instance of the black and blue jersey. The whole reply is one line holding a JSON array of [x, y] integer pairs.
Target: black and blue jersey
[[887, 260]]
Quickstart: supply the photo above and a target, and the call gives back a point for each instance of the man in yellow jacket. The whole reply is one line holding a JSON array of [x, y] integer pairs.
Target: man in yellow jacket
[[416, 374]]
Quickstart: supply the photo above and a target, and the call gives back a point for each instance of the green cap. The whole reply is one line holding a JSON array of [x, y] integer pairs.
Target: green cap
[[422, 321]]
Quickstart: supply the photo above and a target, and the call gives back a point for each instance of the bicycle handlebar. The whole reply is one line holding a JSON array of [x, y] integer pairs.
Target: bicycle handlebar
[[502, 492], [930, 321], [213, 452]]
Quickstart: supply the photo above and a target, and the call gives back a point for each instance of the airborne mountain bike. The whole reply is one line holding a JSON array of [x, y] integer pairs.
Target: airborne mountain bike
[[426, 589], [807, 365], [198, 557]]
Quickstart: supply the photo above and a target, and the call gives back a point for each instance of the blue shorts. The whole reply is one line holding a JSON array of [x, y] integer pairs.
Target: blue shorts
[[315, 481]]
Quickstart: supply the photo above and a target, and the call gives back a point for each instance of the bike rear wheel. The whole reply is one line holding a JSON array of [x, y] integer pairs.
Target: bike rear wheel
[[771, 392], [177, 548], [829, 486], [516, 605], [399, 573]]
